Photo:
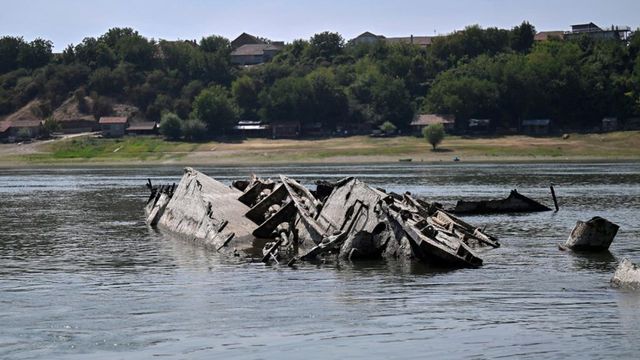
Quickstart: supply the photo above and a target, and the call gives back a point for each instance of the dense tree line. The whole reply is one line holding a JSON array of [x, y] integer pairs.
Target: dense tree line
[[484, 73]]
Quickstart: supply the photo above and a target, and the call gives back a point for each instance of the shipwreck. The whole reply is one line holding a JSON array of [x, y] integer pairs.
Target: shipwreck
[[514, 203], [282, 221]]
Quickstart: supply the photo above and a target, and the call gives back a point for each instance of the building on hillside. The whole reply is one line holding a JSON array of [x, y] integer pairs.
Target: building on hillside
[[285, 129], [371, 38], [535, 126], [113, 126], [421, 121], [142, 128], [609, 124], [77, 124], [421, 41], [479, 126], [595, 32], [245, 39], [4, 130], [367, 38], [254, 54], [549, 35], [252, 129], [72, 120], [10, 131]]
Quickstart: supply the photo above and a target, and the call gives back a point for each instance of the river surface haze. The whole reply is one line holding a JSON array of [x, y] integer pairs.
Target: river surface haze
[[83, 277]]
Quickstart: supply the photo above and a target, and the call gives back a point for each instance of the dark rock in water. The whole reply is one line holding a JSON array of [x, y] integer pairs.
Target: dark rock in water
[[593, 235], [627, 275]]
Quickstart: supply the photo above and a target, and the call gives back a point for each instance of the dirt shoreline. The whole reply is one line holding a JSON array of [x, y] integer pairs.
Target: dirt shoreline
[[89, 152]]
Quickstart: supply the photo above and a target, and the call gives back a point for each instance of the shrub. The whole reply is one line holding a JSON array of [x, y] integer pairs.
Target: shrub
[[171, 126], [50, 126], [388, 128], [23, 134], [193, 129], [434, 134]]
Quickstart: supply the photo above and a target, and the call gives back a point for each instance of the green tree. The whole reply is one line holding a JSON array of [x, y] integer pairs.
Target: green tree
[[49, 126], [23, 134], [388, 128], [36, 54], [522, 37], [328, 101], [289, 99], [193, 129], [245, 92], [326, 45], [215, 108], [215, 44], [171, 126], [10, 48], [434, 134], [102, 106]]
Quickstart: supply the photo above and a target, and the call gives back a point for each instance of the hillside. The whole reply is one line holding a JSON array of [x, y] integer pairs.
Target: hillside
[[497, 74]]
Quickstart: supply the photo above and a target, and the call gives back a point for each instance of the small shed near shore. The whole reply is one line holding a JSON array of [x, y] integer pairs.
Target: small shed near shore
[[143, 128], [536, 126], [113, 126]]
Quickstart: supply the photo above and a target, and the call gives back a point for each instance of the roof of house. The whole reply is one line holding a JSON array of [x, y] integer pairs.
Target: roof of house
[[536, 122], [254, 49], [585, 27], [4, 126], [249, 127], [26, 124], [416, 40], [113, 120], [369, 34], [143, 126], [432, 119], [247, 39], [546, 35]]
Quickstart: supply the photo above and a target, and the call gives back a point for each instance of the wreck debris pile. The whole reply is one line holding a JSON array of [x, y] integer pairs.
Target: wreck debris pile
[[594, 235], [285, 221]]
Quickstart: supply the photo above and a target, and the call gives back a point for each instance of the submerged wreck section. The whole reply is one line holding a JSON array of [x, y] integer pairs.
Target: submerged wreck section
[[514, 203], [282, 220], [202, 209]]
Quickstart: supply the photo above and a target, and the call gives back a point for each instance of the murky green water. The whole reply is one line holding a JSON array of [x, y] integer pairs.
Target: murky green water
[[82, 276]]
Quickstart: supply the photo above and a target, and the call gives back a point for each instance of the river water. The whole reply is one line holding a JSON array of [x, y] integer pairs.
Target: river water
[[83, 277]]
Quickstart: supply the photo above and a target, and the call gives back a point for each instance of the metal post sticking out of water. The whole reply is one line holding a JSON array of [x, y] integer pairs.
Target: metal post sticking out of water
[[555, 200]]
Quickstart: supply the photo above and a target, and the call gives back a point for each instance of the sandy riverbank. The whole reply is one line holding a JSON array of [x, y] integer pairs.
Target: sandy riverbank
[[87, 150]]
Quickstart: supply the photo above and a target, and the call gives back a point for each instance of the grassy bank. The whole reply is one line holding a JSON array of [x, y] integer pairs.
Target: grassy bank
[[154, 150]]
